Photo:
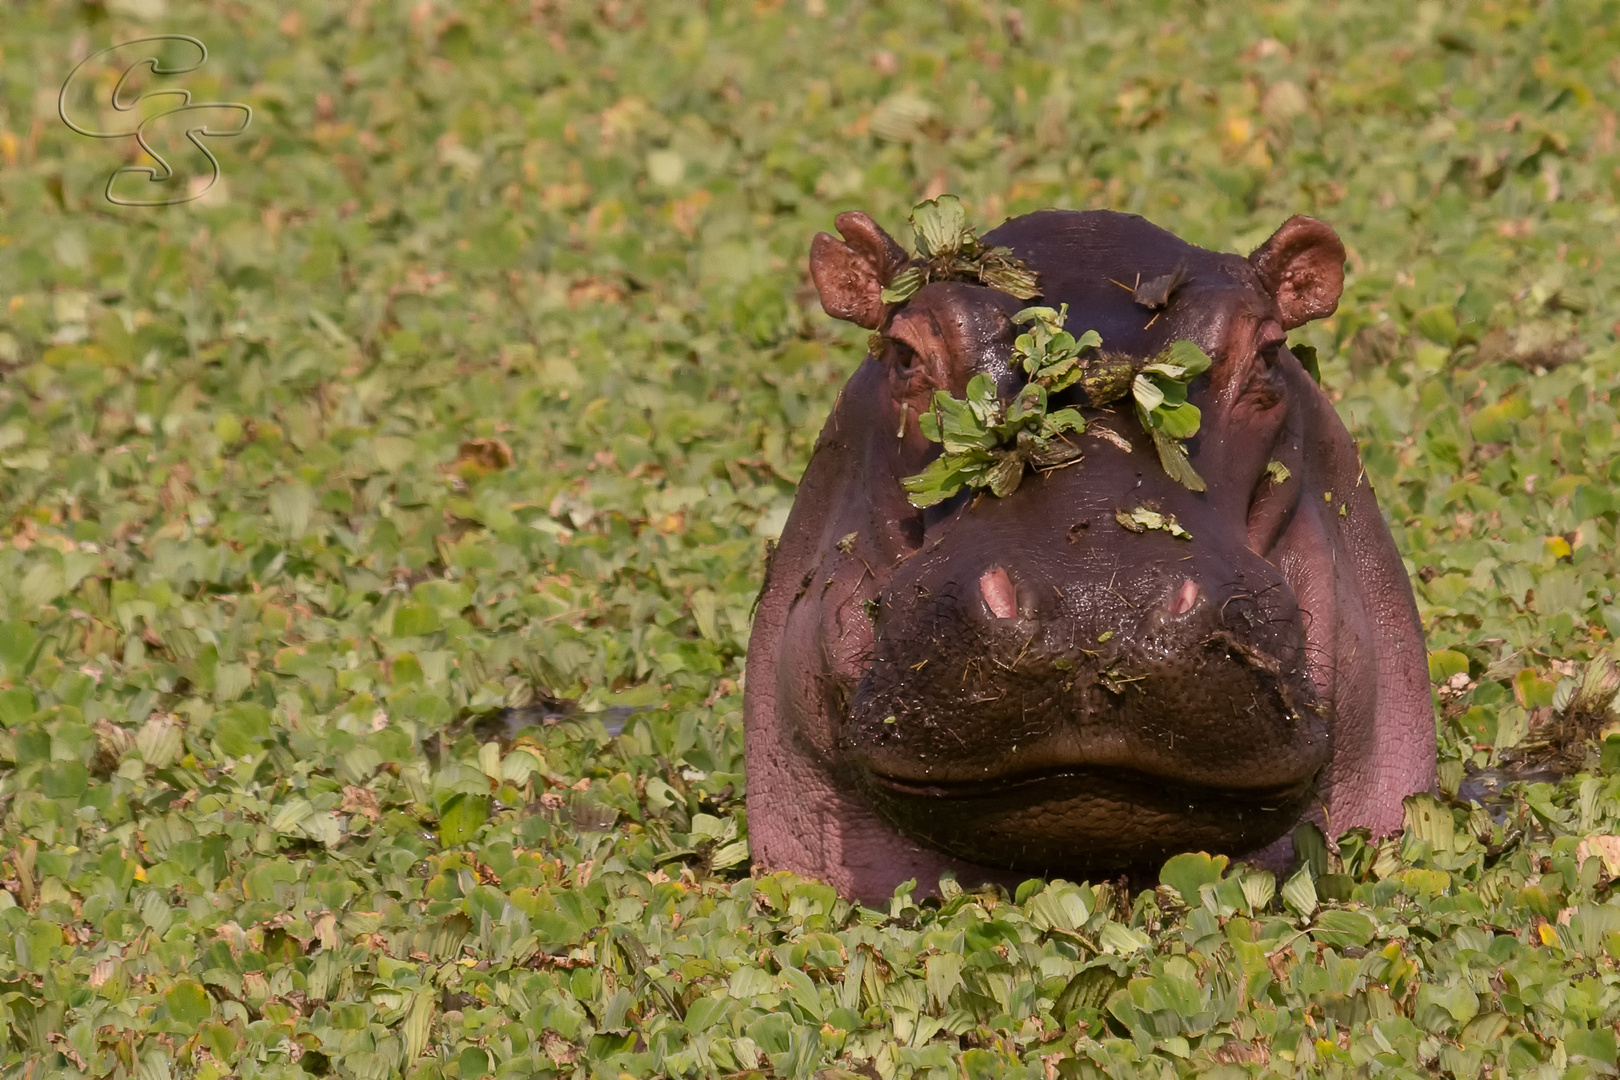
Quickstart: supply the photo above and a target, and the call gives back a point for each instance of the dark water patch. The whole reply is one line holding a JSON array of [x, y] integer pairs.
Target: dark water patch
[[1490, 788], [505, 725]]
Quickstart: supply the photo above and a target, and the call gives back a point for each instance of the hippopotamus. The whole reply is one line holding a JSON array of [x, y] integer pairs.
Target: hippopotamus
[[1036, 684]]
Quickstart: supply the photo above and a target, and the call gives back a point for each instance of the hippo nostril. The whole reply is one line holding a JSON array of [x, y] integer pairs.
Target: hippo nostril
[[1185, 598], [997, 589]]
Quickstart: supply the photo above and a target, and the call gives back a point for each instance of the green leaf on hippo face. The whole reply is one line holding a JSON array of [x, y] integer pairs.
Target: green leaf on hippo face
[[1160, 391], [941, 226], [1148, 393], [1186, 355], [988, 444], [1004, 477], [1179, 421], [1173, 458], [999, 270], [1144, 519], [903, 286]]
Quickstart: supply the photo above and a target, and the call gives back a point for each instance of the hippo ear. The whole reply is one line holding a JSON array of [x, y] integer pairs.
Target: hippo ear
[[850, 274], [1302, 265]]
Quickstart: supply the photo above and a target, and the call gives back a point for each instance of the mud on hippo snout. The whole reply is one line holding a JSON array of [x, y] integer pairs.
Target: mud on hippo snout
[[1005, 686]]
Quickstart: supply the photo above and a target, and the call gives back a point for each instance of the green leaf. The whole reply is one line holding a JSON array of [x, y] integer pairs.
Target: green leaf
[[1149, 395], [188, 1004], [1065, 420], [412, 619], [1000, 271], [1299, 893], [1173, 458], [903, 286], [16, 706], [1342, 929], [943, 975], [242, 729], [16, 647], [1595, 1044], [1005, 476], [1190, 872], [988, 445], [1444, 663], [940, 225], [1089, 989], [1186, 355], [1143, 519], [461, 818], [1060, 906], [418, 1025], [1259, 886], [1178, 421], [64, 780], [1430, 821]]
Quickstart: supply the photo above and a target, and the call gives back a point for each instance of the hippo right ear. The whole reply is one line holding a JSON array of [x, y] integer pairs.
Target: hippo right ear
[[850, 274], [1302, 265]]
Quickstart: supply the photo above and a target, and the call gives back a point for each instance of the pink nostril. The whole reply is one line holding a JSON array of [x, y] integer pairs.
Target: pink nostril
[[1185, 598], [997, 589]]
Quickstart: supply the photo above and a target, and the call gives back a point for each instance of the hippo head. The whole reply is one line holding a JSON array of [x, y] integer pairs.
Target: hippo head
[[1044, 682]]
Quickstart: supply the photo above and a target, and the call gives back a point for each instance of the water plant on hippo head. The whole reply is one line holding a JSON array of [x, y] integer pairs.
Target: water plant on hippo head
[[988, 443], [949, 250]]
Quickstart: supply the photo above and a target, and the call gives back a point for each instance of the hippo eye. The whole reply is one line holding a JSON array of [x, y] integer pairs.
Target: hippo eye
[[1270, 341], [902, 356]]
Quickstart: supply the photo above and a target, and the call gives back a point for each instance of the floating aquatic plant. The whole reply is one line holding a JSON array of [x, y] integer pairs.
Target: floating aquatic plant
[[988, 443]]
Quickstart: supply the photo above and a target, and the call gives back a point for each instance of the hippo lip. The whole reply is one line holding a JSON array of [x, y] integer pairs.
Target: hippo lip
[[1264, 796]]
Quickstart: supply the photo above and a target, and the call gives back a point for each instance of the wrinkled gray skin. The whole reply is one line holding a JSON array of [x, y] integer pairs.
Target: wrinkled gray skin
[[1004, 687]]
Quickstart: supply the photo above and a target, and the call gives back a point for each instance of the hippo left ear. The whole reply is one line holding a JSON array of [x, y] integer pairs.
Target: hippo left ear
[[1302, 265]]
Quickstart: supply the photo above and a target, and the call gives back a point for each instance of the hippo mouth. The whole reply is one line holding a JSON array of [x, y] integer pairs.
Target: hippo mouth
[[1018, 750], [1084, 822], [1036, 784]]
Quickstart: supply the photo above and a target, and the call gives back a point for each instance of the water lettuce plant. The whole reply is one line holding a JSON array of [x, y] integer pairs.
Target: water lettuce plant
[[989, 444]]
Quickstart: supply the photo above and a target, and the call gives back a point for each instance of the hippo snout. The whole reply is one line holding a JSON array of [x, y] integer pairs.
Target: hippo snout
[[1137, 692]]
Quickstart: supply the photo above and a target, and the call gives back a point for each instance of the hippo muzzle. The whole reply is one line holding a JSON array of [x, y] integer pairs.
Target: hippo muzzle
[[1047, 689]]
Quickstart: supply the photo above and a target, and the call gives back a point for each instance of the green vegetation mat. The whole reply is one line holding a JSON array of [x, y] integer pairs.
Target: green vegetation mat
[[483, 376]]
